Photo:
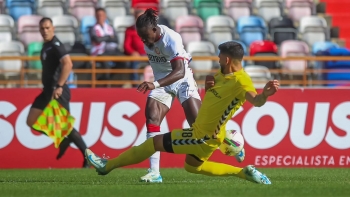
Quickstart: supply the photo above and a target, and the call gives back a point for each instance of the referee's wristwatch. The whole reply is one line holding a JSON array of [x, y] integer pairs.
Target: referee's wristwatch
[[58, 86]]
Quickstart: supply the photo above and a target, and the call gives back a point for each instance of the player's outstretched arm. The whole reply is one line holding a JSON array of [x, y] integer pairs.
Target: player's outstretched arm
[[259, 100]]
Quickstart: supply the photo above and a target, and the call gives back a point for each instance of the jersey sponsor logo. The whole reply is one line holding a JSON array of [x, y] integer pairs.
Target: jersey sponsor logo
[[216, 94], [156, 50], [157, 59]]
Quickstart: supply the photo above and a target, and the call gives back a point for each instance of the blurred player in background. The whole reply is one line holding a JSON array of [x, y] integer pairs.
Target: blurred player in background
[[173, 78], [226, 92], [54, 77]]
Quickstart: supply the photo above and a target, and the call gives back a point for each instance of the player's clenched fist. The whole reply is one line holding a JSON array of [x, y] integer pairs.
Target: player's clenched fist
[[271, 88], [209, 82], [143, 87]]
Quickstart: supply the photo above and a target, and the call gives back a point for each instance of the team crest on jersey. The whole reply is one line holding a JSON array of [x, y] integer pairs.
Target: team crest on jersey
[[44, 56], [156, 50]]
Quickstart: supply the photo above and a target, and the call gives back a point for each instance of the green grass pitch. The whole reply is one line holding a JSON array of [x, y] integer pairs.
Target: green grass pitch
[[176, 182]]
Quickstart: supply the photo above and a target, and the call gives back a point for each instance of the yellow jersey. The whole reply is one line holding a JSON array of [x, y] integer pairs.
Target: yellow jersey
[[222, 101]]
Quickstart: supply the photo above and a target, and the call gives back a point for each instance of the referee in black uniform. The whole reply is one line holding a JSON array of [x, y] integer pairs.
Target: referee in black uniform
[[57, 66]]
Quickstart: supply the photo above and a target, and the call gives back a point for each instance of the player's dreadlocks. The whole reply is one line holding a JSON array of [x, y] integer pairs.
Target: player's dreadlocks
[[148, 19]]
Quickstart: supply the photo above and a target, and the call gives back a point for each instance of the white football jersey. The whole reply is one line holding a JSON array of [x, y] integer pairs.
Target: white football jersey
[[168, 48]]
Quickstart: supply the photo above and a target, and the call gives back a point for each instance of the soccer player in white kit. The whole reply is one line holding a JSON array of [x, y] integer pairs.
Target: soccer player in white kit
[[173, 78]]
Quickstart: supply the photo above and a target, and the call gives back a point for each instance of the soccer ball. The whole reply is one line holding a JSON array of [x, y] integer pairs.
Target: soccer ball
[[232, 144]]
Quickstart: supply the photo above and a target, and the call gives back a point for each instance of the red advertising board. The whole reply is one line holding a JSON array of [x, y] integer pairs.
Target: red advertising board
[[295, 128]]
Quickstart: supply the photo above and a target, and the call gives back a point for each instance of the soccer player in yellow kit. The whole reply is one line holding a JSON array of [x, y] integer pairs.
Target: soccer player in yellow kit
[[226, 92]]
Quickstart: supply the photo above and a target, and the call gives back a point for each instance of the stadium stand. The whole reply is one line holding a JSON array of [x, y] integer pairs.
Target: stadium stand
[[190, 28], [238, 8], [264, 48], [264, 27], [251, 28], [260, 75], [294, 48], [220, 29], [11, 48], [281, 29], [201, 48]]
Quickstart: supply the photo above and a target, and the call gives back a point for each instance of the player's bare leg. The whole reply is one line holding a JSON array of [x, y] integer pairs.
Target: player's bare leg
[[191, 107], [155, 113]]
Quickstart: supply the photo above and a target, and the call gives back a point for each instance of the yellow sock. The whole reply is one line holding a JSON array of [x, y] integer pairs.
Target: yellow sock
[[216, 169], [133, 155]]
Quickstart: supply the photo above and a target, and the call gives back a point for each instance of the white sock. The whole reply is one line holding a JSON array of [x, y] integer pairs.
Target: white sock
[[155, 158]]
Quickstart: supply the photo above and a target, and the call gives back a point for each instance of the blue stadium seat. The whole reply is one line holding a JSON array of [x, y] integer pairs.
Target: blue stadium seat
[[20, 8], [8, 2], [338, 65], [86, 23], [251, 28], [323, 46]]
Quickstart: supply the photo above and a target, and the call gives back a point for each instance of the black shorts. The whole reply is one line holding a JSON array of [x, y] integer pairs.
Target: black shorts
[[43, 99]]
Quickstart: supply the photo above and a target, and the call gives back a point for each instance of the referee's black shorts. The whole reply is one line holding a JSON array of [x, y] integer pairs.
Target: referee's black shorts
[[45, 97]]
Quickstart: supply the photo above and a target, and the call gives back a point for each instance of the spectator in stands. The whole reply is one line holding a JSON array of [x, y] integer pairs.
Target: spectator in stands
[[133, 45], [104, 41]]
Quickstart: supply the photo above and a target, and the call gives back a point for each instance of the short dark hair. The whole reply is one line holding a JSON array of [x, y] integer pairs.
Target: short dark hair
[[232, 49], [44, 20], [99, 9], [148, 19]]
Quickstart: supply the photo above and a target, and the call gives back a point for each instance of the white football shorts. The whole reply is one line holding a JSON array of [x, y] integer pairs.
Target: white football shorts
[[183, 89]]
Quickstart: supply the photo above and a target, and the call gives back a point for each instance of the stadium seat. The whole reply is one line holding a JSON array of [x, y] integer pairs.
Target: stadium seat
[[269, 9], [281, 29], [238, 8], [6, 27], [251, 28], [190, 28], [10, 2], [34, 49], [207, 8], [264, 48], [120, 23], [20, 8], [65, 28], [82, 8], [28, 29], [297, 9], [260, 75], [323, 46], [42, 2], [51, 8], [114, 8], [313, 29], [337, 65], [201, 48], [12, 48], [175, 8], [220, 29], [144, 4], [85, 24], [294, 48]]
